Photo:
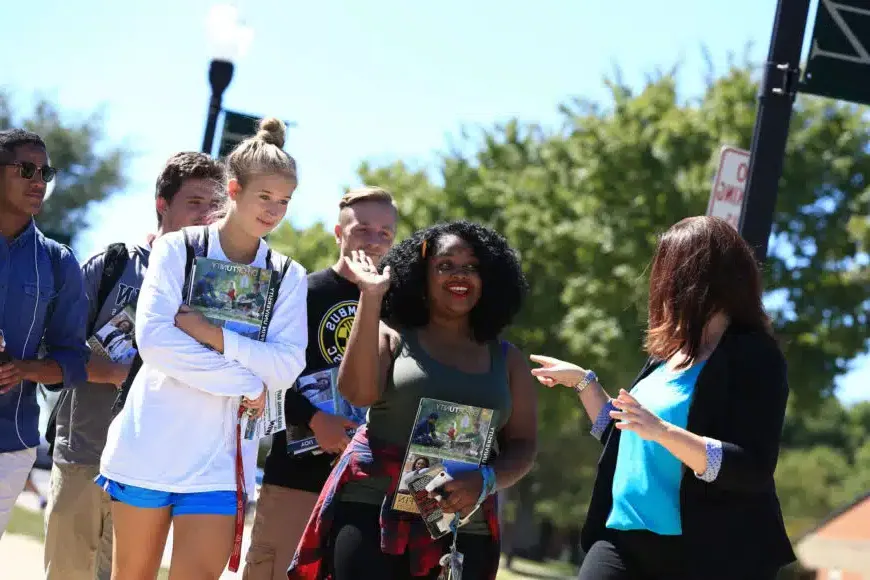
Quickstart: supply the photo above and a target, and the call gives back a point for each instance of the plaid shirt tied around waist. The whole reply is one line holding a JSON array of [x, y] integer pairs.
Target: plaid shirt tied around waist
[[400, 531]]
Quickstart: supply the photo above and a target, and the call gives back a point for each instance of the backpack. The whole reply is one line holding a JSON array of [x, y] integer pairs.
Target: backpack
[[196, 245], [114, 263]]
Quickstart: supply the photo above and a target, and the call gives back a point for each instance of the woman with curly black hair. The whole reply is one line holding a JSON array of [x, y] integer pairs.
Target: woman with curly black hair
[[445, 296]]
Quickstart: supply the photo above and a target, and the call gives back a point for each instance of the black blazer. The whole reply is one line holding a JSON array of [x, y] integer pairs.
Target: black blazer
[[733, 525]]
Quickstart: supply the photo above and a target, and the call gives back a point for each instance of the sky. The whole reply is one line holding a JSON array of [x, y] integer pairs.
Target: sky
[[378, 80]]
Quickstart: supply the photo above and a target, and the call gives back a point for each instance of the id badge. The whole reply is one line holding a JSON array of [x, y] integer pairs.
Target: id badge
[[451, 566]]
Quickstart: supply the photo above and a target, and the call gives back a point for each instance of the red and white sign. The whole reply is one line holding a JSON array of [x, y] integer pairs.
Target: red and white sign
[[726, 198]]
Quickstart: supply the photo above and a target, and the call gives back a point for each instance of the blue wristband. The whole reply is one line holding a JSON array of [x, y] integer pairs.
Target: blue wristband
[[488, 488]]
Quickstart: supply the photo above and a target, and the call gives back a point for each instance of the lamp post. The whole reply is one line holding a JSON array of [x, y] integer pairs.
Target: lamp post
[[229, 39], [220, 73]]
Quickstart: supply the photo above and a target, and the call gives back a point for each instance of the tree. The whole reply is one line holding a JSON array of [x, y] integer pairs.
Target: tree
[[584, 204], [89, 170], [808, 483], [825, 463], [313, 247]]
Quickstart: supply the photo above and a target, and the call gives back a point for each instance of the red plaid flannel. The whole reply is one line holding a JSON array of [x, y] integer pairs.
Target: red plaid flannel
[[400, 531]]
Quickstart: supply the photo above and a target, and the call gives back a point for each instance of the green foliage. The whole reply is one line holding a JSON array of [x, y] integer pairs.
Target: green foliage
[[584, 204], [313, 247], [804, 480], [825, 462], [89, 170]]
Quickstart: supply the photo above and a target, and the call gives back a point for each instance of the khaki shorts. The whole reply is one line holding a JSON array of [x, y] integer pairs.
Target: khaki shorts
[[282, 515], [78, 525]]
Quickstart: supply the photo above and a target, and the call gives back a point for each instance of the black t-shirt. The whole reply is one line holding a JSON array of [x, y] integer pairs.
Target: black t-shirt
[[332, 303]]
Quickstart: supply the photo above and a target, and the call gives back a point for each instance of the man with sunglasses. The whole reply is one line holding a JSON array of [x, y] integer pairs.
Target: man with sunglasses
[[42, 303]]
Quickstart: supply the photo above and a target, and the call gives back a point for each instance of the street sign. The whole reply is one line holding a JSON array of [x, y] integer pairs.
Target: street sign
[[726, 197], [236, 128], [840, 52]]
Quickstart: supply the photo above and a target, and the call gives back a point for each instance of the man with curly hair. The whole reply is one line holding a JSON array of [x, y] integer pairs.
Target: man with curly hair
[[445, 296]]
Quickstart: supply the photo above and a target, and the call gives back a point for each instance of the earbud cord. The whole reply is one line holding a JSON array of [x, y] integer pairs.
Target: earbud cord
[[29, 332]]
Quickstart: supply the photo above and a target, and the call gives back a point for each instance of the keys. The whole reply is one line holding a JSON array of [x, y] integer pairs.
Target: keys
[[451, 563]]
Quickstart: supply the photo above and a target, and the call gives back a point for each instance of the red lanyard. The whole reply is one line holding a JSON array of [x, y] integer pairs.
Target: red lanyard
[[236, 556]]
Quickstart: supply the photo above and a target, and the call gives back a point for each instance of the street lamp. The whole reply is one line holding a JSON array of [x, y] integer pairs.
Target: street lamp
[[229, 39]]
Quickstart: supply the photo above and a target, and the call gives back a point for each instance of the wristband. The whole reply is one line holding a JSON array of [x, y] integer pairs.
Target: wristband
[[584, 382], [488, 487]]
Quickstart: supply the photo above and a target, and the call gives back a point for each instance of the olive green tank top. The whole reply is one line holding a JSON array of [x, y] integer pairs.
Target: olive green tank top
[[415, 374]]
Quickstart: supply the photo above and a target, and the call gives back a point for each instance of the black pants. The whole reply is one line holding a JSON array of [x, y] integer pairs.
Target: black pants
[[640, 555], [355, 548]]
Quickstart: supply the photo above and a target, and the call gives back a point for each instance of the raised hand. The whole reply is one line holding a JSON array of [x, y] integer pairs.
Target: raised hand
[[360, 270], [556, 372]]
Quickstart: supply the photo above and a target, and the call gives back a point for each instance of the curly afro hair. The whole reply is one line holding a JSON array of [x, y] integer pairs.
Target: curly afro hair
[[504, 284]]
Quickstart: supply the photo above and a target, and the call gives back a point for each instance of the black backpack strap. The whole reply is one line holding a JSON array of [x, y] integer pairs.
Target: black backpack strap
[[124, 389], [287, 263], [195, 244], [114, 263], [281, 263]]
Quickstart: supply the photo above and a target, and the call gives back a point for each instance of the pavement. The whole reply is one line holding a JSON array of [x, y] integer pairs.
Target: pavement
[[22, 555]]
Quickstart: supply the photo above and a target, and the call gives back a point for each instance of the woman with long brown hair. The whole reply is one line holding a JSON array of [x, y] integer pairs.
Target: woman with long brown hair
[[685, 486]]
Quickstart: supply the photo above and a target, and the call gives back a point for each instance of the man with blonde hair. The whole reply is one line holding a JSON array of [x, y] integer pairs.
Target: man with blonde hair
[[292, 481]]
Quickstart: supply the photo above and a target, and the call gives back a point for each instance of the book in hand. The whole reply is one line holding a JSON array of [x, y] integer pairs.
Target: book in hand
[[419, 485], [234, 296], [240, 298], [321, 388], [270, 422], [446, 437], [114, 340]]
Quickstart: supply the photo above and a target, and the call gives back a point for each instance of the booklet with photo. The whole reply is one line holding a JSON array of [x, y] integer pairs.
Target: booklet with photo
[[115, 340], [240, 298], [321, 388], [446, 437], [234, 296]]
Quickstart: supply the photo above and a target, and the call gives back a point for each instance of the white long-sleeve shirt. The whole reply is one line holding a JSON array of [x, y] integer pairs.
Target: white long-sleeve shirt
[[176, 432]]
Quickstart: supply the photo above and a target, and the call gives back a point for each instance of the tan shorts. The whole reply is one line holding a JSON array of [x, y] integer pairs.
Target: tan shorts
[[282, 515], [78, 525]]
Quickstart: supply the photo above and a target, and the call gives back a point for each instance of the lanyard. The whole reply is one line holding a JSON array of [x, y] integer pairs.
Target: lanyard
[[236, 555], [451, 563]]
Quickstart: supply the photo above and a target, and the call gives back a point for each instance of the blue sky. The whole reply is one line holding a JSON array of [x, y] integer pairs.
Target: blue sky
[[376, 80]]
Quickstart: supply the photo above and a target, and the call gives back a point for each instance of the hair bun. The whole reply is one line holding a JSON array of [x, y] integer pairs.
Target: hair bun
[[272, 130]]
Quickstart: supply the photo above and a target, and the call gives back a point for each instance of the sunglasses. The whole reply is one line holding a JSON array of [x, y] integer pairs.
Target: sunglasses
[[27, 170]]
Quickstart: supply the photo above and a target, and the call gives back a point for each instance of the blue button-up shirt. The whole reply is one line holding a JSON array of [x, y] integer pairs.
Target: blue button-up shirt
[[42, 303]]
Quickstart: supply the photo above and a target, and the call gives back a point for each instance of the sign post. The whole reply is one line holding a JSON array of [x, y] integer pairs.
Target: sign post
[[726, 197], [236, 128], [775, 99]]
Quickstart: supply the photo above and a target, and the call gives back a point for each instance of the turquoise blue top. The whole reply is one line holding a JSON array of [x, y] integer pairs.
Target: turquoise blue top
[[646, 483]]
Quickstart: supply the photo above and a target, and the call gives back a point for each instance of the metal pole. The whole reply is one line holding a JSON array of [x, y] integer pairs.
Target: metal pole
[[220, 73], [775, 99]]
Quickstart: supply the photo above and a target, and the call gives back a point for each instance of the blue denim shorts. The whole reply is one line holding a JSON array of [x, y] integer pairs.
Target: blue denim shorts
[[221, 503]]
